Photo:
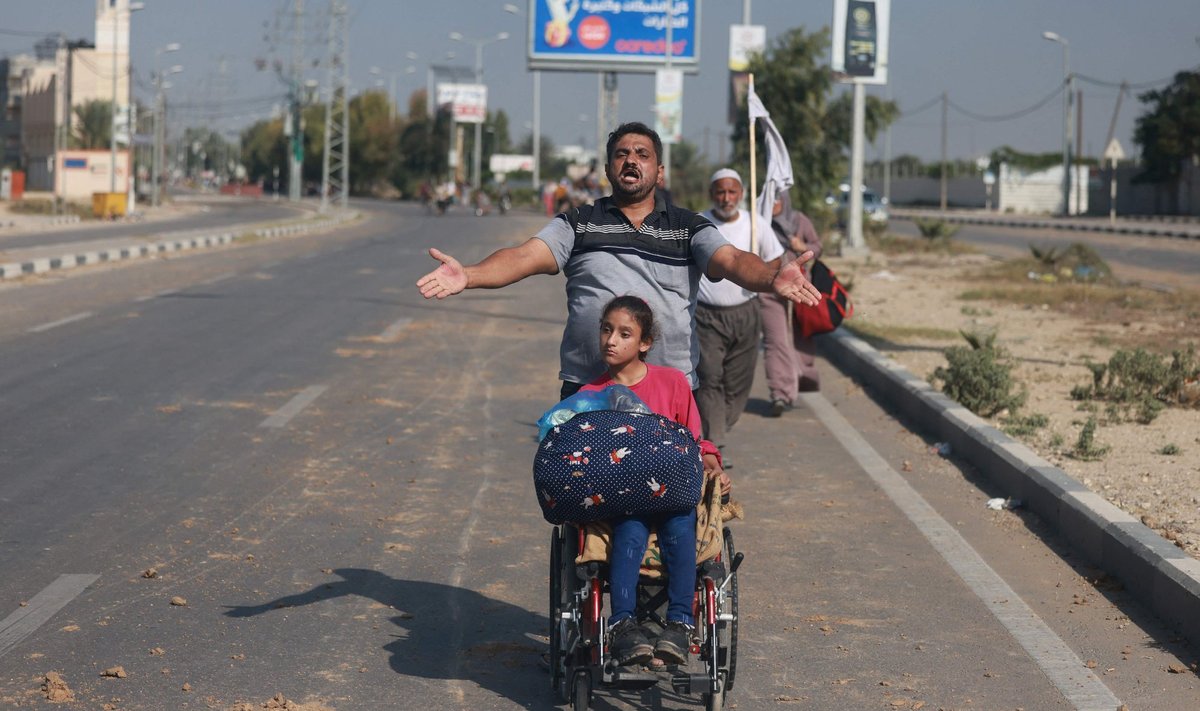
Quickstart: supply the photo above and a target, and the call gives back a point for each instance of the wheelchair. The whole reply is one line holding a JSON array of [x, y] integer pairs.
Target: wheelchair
[[579, 657]]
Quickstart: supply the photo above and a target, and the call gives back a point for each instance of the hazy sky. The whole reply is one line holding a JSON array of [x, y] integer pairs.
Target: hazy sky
[[989, 56]]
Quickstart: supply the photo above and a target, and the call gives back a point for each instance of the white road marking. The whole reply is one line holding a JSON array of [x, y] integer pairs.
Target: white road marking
[[293, 407], [25, 620], [217, 279], [391, 332], [1081, 687], [61, 322]]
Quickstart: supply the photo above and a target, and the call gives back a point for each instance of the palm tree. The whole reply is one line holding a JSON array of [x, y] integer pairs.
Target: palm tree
[[93, 125]]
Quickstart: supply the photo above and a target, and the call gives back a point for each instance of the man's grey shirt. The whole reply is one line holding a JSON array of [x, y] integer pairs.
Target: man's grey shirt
[[603, 256]]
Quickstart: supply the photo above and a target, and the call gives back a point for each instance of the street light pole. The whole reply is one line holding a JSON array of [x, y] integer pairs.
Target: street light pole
[[159, 117], [537, 113], [112, 142], [479, 45], [1067, 87]]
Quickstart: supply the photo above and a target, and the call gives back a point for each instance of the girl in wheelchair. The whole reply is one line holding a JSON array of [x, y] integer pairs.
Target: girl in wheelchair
[[627, 331]]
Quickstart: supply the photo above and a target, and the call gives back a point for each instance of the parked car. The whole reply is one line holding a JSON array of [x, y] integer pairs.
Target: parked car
[[875, 208]]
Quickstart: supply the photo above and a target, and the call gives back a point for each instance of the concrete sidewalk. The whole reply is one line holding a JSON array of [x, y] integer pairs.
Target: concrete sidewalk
[[1163, 578], [38, 260], [1180, 227]]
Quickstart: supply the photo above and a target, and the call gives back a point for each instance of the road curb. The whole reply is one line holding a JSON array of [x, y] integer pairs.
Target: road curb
[[1171, 229], [1159, 575], [138, 250]]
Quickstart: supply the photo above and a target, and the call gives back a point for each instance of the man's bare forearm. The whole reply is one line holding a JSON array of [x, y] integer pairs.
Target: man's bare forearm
[[510, 265], [747, 270]]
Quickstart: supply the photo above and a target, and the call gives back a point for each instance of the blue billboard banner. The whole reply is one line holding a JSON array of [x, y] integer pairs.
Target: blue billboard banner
[[613, 35]]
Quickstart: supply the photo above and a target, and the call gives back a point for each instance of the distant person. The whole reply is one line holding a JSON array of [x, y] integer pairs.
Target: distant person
[[728, 321], [548, 197], [790, 359], [630, 241]]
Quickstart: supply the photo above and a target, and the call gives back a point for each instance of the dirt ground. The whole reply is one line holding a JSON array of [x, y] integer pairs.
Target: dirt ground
[[911, 307]]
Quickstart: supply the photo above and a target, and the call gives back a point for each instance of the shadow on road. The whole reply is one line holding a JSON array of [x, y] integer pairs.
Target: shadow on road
[[446, 632]]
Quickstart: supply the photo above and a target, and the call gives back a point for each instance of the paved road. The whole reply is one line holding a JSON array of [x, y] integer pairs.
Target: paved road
[[1154, 260], [334, 475], [203, 216]]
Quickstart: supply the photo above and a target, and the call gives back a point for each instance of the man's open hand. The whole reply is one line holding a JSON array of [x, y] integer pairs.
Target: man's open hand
[[790, 283], [447, 280]]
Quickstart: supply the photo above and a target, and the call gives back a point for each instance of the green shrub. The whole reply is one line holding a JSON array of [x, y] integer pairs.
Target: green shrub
[[1024, 426], [1170, 450], [979, 377], [935, 229], [1086, 448], [1139, 384]]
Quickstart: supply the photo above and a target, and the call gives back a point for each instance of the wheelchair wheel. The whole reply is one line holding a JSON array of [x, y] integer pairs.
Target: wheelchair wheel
[[582, 691], [556, 595], [727, 637]]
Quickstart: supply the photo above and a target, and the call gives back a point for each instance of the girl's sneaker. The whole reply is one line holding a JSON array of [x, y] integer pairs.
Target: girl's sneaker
[[674, 643], [629, 644]]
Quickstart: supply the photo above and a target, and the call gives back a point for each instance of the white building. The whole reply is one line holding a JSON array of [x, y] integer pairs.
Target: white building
[[78, 74]]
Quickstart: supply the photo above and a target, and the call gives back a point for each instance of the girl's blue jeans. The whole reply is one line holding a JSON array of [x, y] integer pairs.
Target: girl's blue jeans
[[676, 540]]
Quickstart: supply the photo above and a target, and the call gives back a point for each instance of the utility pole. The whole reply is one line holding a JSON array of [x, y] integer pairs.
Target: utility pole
[[335, 161], [294, 128], [945, 112], [1078, 148], [62, 117]]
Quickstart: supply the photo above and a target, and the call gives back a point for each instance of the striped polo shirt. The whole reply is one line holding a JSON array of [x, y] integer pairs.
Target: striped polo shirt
[[603, 256]]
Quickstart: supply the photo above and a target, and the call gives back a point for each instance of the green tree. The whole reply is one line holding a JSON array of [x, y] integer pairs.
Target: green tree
[[1169, 131], [93, 125], [796, 88], [1031, 162], [373, 141], [497, 126], [263, 150], [689, 177], [550, 168]]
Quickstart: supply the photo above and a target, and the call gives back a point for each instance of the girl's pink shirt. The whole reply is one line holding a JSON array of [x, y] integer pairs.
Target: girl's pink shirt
[[666, 391]]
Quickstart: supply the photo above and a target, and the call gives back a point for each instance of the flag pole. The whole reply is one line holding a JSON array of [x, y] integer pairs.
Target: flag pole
[[753, 178]]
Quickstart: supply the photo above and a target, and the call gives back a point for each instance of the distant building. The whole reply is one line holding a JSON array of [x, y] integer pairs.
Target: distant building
[[13, 71], [64, 76]]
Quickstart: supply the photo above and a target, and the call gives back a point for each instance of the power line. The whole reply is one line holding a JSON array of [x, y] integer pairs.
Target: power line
[[1014, 115], [1129, 85], [923, 107]]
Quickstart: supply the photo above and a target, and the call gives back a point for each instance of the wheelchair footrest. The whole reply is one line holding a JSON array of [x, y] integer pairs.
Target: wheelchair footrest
[[684, 683], [631, 678]]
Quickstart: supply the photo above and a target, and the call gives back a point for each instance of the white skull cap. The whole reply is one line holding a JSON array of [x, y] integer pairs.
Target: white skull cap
[[725, 173]]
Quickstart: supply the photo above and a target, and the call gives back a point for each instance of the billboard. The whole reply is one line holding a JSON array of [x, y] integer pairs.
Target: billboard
[[613, 35], [745, 40], [668, 105], [468, 102], [860, 40]]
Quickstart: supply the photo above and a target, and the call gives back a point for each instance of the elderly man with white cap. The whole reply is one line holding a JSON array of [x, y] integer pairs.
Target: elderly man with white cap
[[728, 320]]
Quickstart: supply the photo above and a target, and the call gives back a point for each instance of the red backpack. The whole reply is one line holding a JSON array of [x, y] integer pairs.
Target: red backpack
[[835, 305]]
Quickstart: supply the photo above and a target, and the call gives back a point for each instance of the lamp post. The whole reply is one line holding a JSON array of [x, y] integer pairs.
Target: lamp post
[[392, 99], [159, 118], [479, 45], [1068, 86], [130, 9]]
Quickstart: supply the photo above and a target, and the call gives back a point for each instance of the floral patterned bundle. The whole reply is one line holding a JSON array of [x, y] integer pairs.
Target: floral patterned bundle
[[603, 464]]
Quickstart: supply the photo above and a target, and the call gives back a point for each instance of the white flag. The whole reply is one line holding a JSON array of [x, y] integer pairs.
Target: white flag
[[779, 164]]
